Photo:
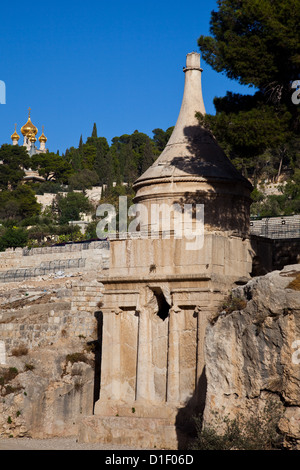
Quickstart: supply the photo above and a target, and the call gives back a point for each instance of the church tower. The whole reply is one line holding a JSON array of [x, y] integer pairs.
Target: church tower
[[15, 136], [42, 141], [28, 131]]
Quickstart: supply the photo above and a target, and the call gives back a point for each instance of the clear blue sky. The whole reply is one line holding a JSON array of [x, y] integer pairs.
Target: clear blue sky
[[116, 63]]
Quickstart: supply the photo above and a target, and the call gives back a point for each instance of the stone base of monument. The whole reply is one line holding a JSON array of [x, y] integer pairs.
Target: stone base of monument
[[140, 426], [136, 409], [134, 432]]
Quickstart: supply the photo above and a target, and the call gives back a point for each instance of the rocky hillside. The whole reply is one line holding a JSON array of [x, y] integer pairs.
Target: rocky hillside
[[253, 354], [47, 373]]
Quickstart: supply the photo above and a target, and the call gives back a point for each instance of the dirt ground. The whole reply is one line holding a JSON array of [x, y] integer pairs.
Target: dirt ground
[[69, 443]]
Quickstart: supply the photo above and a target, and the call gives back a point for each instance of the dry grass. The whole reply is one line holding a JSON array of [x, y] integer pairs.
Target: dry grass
[[76, 357], [8, 375], [228, 305], [5, 377], [21, 350], [295, 283]]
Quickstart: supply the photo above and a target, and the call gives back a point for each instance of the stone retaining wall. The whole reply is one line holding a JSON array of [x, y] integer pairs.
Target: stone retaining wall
[[38, 326], [21, 263], [42, 324]]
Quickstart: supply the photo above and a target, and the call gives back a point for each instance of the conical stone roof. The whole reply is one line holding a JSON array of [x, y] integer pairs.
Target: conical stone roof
[[194, 169], [192, 152]]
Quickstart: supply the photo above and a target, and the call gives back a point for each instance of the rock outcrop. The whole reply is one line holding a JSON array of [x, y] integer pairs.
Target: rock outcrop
[[47, 361], [48, 395], [252, 356], [253, 353]]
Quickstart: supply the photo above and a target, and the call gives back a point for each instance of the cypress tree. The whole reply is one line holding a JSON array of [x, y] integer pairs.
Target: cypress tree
[[94, 132]]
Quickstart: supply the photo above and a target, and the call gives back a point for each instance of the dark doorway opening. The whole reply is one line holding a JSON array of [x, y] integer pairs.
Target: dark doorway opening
[[163, 306], [97, 346]]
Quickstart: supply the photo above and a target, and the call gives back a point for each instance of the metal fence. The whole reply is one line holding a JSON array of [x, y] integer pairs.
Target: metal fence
[[67, 248], [276, 227]]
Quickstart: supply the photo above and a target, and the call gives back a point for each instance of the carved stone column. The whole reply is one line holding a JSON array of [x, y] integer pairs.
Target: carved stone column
[[200, 343], [144, 357], [173, 378], [201, 384], [111, 365]]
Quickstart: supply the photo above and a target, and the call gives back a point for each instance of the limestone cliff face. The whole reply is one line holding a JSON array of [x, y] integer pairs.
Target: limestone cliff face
[[47, 373], [47, 401], [254, 353]]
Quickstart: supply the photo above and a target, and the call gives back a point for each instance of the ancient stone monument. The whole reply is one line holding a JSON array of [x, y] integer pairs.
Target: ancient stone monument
[[160, 290]]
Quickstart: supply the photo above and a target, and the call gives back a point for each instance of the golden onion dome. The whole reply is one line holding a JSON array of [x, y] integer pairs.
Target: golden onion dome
[[42, 137], [31, 137], [29, 128], [15, 135]]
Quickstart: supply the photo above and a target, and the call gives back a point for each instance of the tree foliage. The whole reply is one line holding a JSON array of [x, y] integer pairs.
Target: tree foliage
[[257, 43], [93, 163], [13, 237], [70, 206], [18, 204], [14, 160], [51, 166], [244, 432]]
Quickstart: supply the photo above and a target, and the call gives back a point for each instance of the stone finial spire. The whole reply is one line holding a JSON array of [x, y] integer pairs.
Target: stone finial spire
[[192, 100]]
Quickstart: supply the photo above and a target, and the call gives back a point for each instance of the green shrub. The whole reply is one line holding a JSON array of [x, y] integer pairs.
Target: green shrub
[[13, 237], [257, 432]]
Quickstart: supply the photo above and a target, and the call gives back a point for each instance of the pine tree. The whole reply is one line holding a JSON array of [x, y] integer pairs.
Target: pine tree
[[102, 148], [257, 43], [130, 167], [147, 158]]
